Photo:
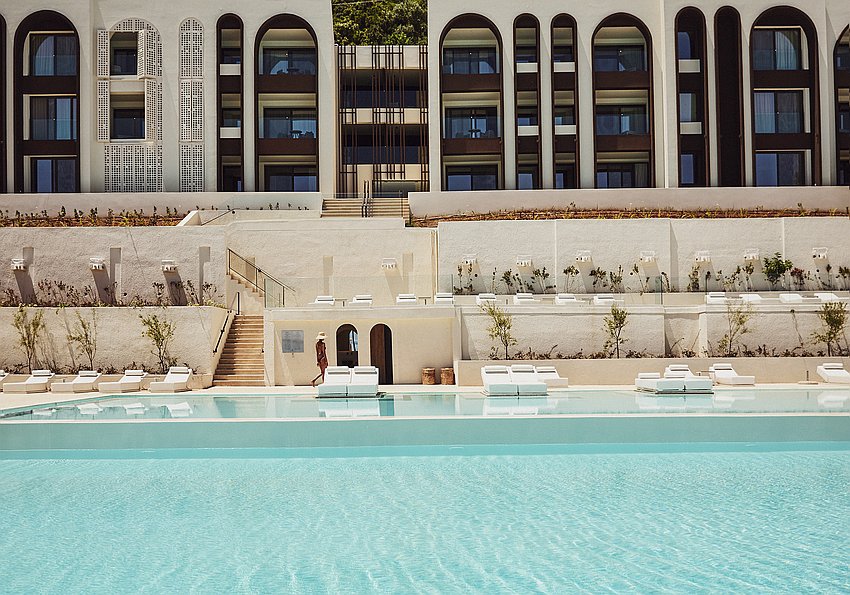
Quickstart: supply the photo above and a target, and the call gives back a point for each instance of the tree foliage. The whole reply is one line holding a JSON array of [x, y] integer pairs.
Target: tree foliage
[[833, 317], [615, 323], [501, 326], [29, 332], [738, 320], [380, 22], [160, 332]]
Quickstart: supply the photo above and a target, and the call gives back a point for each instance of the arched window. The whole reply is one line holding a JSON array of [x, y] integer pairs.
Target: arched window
[[347, 346]]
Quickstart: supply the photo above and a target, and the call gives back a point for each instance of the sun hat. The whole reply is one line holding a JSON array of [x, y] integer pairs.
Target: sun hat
[[321, 337]]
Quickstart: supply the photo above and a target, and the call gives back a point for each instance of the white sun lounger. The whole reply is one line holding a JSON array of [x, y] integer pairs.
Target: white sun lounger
[[336, 382], [364, 382], [524, 299], [179, 409], [406, 299], [566, 299], [3, 376], [715, 297], [693, 383], [526, 380], [38, 382], [826, 296], [604, 299], [831, 373], [83, 383], [176, 381], [724, 373], [549, 375], [361, 300], [485, 298], [497, 381], [324, 300], [652, 382], [751, 298], [129, 383], [444, 299], [790, 298], [833, 399]]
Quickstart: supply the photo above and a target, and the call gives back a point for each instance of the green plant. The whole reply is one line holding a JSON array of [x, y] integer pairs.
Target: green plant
[[501, 325], [738, 317], [541, 277], [571, 272], [615, 323], [84, 336], [833, 318], [616, 280], [775, 267], [381, 22], [600, 278], [693, 278], [29, 332], [160, 332]]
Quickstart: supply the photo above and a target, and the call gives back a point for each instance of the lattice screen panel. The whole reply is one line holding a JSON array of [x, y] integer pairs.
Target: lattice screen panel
[[191, 168], [191, 111], [191, 49], [133, 168], [102, 111], [102, 53], [153, 110]]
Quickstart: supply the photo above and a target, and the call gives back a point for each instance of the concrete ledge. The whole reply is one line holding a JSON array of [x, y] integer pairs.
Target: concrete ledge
[[587, 372]]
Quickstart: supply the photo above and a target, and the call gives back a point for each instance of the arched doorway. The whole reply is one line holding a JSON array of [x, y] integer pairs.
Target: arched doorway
[[347, 346], [381, 339]]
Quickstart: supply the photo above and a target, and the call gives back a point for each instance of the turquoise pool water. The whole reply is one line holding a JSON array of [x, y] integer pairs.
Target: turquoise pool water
[[670, 522]]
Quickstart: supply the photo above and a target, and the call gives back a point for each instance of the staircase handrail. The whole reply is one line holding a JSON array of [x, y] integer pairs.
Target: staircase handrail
[[226, 318], [257, 274]]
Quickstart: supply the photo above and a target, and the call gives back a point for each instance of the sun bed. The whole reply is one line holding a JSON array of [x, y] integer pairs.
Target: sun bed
[[526, 380], [566, 299], [724, 373], [38, 382], [129, 383], [715, 297], [652, 382], [549, 375], [176, 381], [336, 382], [524, 298], [827, 297], [790, 298], [406, 299], [3, 376], [83, 383], [444, 299], [751, 298], [361, 300], [324, 300], [179, 409], [485, 298], [497, 381], [831, 373], [693, 383], [364, 382], [604, 299]]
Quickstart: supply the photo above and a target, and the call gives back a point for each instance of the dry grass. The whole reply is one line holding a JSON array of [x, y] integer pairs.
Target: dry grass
[[552, 214]]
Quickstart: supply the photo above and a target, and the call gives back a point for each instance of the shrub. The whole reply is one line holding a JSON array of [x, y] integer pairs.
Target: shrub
[[29, 332], [614, 325], [775, 268], [84, 337], [501, 324], [833, 318], [737, 318], [160, 332]]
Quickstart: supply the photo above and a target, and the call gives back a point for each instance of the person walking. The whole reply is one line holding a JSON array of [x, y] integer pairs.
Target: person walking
[[321, 357]]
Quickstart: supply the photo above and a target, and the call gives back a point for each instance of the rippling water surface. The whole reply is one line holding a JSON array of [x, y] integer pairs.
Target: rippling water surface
[[683, 523]]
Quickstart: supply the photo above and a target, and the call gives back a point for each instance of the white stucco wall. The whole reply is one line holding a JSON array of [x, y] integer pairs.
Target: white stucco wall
[[120, 344]]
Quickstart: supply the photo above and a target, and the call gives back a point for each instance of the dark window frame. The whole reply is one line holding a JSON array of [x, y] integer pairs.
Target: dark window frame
[[54, 174]]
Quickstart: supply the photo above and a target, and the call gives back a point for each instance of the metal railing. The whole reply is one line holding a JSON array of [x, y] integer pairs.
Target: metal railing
[[230, 311], [272, 290]]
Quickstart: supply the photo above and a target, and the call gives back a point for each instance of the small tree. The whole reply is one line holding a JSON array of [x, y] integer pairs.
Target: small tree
[[84, 336], [614, 325], [160, 332], [775, 268], [833, 318], [737, 318], [500, 327], [29, 332]]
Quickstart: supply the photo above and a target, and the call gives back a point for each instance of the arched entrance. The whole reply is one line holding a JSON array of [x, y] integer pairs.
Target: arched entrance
[[381, 339], [347, 346]]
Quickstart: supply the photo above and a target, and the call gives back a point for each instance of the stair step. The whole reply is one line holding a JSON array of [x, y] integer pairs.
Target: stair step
[[238, 383]]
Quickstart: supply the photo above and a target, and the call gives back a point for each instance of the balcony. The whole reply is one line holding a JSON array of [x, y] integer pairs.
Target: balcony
[[287, 146], [626, 142], [462, 83], [472, 146], [622, 80], [287, 83]]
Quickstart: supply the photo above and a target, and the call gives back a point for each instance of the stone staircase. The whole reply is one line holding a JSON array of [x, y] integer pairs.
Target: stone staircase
[[377, 207], [241, 362]]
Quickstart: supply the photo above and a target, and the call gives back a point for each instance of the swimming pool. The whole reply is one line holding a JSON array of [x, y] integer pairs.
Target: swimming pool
[[770, 520]]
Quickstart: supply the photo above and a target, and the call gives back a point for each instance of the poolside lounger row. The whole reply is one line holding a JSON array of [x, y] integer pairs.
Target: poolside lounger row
[[402, 299], [520, 380], [724, 373], [721, 297], [340, 381], [40, 381], [833, 373], [677, 380]]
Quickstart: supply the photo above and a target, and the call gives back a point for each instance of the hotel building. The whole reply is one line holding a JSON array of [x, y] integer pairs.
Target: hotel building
[[191, 98]]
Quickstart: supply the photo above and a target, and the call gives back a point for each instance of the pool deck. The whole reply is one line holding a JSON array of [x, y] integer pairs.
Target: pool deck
[[18, 401]]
